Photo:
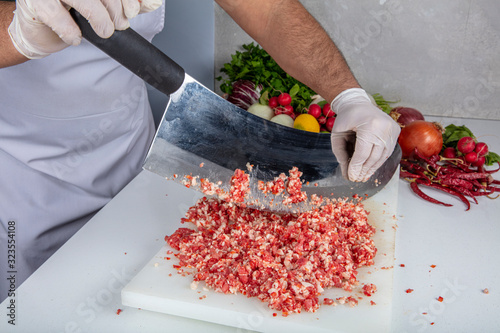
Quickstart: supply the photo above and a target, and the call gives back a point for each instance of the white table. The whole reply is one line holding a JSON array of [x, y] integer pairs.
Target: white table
[[78, 288]]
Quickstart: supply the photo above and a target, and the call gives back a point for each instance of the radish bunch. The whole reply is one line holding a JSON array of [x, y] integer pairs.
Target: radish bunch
[[469, 151], [282, 104]]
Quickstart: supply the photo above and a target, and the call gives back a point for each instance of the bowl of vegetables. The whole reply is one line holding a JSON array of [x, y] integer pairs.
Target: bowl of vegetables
[[256, 83], [281, 110]]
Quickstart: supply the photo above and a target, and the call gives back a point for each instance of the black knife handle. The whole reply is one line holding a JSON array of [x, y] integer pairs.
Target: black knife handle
[[137, 54]]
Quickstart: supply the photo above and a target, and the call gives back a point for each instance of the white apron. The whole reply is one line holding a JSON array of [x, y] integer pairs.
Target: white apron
[[74, 130]]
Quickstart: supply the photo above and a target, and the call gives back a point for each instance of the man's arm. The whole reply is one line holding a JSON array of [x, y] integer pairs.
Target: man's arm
[[298, 43], [9, 56]]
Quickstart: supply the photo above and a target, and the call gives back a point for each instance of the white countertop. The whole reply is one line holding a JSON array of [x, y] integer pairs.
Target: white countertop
[[78, 288]]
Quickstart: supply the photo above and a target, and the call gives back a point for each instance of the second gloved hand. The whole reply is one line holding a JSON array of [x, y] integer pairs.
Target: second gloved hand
[[42, 27], [376, 134]]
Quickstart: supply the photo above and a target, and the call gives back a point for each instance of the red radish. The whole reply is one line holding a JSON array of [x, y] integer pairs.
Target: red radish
[[314, 110], [466, 145], [480, 161], [284, 99], [481, 148], [425, 136], [273, 102], [404, 115], [329, 123], [279, 110], [449, 152], [327, 111], [471, 157], [288, 109], [322, 120]]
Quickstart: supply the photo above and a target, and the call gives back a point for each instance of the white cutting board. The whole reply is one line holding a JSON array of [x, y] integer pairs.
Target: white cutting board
[[158, 287]]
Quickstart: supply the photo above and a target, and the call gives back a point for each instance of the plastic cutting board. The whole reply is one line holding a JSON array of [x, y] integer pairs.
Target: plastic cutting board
[[158, 287]]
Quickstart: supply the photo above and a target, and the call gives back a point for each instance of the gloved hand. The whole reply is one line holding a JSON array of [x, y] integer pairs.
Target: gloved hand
[[376, 134], [42, 27]]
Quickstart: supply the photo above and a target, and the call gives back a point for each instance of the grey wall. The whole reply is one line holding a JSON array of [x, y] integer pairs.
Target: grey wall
[[188, 38], [441, 57]]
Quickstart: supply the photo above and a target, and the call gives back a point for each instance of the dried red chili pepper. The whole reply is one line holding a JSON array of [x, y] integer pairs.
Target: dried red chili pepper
[[482, 169], [475, 175], [417, 191], [478, 193], [432, 160], [494, 189], [406, 174], [449, 191], [466, 192], [457, 182], [452, 176], [413, 167]]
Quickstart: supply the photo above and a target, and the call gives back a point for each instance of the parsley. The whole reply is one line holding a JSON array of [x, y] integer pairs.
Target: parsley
[[256, 65]]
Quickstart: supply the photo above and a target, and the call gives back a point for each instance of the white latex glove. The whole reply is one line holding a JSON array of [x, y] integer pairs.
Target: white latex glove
[[132, 8], [376, 134], [42, 27]]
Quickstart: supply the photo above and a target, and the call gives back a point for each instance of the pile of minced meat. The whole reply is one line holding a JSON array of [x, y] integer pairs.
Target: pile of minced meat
[[285, 260]]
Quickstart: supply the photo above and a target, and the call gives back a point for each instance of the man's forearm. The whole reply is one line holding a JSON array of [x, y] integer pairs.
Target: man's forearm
[[9, 56], [298, 43]]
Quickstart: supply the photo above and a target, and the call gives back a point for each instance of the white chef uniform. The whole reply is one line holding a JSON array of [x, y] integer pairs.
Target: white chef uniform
[[74, 130]]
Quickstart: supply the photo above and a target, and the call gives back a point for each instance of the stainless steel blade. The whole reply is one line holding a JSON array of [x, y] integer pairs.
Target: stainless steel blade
[[204, 136]]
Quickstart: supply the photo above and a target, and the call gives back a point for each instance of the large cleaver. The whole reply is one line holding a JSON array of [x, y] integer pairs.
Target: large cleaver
[[203, 136]]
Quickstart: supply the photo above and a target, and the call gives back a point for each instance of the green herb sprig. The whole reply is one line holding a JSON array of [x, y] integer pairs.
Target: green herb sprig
[[256, 65]]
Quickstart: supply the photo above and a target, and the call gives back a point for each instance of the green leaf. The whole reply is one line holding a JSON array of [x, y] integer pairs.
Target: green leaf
[[243, 72], [264, 98], [454, 133], [492, 158], [382, 103], [322, 103], [295, 89]]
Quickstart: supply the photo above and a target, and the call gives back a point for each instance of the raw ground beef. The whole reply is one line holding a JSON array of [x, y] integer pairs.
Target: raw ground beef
[[284, 260], [239, 189]]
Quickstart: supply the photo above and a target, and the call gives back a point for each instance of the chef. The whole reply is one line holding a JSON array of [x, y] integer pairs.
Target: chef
[[75, 125]]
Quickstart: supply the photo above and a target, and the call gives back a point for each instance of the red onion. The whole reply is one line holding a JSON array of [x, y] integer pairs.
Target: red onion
[[404, 115]]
